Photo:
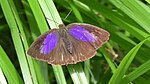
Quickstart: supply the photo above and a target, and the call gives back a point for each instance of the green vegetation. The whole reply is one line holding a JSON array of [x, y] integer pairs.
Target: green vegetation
[[124, 59]]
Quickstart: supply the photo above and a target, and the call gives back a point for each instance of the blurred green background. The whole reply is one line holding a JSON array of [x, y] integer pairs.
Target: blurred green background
[[122, 60]]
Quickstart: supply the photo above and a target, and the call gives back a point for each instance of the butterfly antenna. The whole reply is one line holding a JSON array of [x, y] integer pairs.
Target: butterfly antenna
[[64, 19], [52, 20], [68, 14]]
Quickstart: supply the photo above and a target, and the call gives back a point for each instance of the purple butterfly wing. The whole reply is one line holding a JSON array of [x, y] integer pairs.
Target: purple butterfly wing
[[44, 45], [93, 35], [86, 39]]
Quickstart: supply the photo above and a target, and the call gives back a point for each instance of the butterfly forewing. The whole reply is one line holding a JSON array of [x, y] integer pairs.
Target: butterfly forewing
[[44, 45], [98, 36]]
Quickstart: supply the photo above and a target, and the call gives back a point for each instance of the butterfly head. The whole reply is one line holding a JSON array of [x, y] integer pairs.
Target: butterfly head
[[62, 26], [62, 30]]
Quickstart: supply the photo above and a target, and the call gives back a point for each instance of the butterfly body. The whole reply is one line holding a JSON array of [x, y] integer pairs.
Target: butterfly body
[[69, 44], [64, 36]]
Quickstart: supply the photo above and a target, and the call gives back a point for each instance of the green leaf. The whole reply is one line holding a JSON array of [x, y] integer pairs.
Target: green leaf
[[2, 77], [8, 69], [20, 42], [109, 60], [124, 65], [75, 10], [136, 73], [136, 10], [77, 74]]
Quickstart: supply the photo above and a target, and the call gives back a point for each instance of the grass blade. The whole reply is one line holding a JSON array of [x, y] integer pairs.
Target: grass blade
[[75, 10], [136, 73], [2, 77], [123, 66], [136, 10], [14, 24], [109, 60], [8, 69], [77, 74]]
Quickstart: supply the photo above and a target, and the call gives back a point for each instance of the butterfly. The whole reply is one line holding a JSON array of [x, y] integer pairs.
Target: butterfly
[[69, 44]]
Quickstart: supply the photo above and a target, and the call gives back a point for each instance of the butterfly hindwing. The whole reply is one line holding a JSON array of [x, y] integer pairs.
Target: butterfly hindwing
[[81, 50]]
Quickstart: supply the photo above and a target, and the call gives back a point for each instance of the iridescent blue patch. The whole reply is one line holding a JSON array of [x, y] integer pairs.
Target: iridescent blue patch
[[49, 43], [82, 34]]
